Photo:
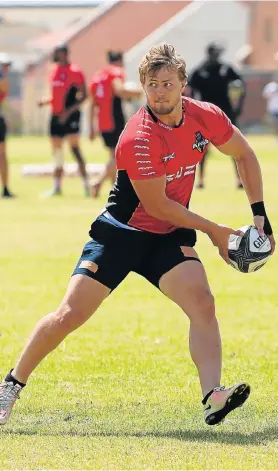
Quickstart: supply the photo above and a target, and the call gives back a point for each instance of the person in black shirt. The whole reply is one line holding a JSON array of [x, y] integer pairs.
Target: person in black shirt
[[217, 82]]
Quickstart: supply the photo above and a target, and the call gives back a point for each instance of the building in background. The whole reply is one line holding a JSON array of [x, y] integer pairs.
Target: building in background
[[20, 23], [110, 26], [249, 31]]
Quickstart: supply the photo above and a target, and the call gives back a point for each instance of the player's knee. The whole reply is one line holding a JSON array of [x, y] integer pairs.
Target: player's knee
[[75, 150], [67, 318], [205, 305], [59, 158], [77, 154]]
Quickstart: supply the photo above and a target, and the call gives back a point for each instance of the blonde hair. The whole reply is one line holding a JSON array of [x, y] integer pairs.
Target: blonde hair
[[163, 55]]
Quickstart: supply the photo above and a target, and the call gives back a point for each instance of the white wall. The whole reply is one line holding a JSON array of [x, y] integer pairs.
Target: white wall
[[51, 18], [191, 30]]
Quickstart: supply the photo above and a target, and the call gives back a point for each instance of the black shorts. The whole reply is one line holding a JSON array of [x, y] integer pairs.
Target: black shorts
[[71, 126], [3, 129], [111, 138], [113, 252]]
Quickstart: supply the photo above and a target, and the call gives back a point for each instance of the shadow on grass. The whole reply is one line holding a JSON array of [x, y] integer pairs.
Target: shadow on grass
[[208, 435]]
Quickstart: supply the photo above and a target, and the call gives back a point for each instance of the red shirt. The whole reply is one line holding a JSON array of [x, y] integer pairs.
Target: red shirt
[[2, 94], [103, 93], [62, 80], [148, 149]]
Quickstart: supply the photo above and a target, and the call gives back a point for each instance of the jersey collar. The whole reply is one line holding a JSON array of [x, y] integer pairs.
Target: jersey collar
[[165, 126]]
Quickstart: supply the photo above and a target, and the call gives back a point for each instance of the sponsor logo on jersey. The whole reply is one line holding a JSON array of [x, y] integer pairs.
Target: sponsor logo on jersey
[[168, 157], [182, 172], [200, 143]]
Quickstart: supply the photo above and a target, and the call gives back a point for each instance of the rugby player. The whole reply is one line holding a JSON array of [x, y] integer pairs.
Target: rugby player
[[5, 63], [212, 80], [68, 87], [148, 228], [106, 114]]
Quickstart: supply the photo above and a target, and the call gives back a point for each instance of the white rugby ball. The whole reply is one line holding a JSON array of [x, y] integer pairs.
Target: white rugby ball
[[248, 253]]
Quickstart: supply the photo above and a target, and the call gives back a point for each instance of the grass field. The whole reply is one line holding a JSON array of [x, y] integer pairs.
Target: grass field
[[122, 392]]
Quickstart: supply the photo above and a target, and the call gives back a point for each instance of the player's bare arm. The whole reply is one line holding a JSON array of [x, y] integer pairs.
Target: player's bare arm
[[44, 102], [122, 92], [152, 195], [250, 174]]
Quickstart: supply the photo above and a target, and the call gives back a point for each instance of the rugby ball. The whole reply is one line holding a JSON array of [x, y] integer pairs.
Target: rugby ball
[[248, 253]]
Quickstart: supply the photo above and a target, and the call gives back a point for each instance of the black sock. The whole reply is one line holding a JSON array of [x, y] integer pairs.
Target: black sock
[[207, 396], [10, 379]]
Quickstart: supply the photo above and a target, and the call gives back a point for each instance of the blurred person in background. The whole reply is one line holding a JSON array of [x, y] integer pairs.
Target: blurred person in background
[[5, 64], [68, 87], [218, 83], [106, 116], [270, 93]]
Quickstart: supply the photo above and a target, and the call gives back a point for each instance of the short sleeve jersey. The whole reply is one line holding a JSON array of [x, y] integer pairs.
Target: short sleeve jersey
[[110, 112], [148, 149], [65, 81], [2, 94]]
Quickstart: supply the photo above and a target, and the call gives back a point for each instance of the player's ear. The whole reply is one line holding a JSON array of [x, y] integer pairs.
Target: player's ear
[[183, 85]]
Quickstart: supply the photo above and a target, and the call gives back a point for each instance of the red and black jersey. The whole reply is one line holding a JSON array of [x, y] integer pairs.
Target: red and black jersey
[[110, 112], [65, 81], [148, 149], [2, 94]]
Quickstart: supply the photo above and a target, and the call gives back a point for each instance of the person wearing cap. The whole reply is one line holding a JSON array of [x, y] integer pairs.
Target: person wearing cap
[[217, 82], [68, 87], [5, 64], [107, 91]]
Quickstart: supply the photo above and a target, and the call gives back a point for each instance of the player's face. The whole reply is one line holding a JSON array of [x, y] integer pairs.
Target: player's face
[[163, 91], [60, 56], [214, 55]]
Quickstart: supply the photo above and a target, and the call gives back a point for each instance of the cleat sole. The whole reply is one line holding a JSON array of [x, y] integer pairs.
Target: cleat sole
[[237, 399]]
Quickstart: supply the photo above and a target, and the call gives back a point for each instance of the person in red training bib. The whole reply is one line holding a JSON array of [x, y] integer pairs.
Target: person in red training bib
[[107, 91], [5, 63], [148, 228], [68, 87]]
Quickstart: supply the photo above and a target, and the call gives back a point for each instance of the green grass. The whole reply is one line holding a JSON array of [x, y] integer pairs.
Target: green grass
[[122, 392]]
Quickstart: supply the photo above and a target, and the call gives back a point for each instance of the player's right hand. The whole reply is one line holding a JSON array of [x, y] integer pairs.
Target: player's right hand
[[40, 103], [219, 235], [259, 223]]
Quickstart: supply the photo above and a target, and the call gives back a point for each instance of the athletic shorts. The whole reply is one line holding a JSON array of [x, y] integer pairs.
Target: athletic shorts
[[113, 252], [3, 129], [71, 126], [111, 138]]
